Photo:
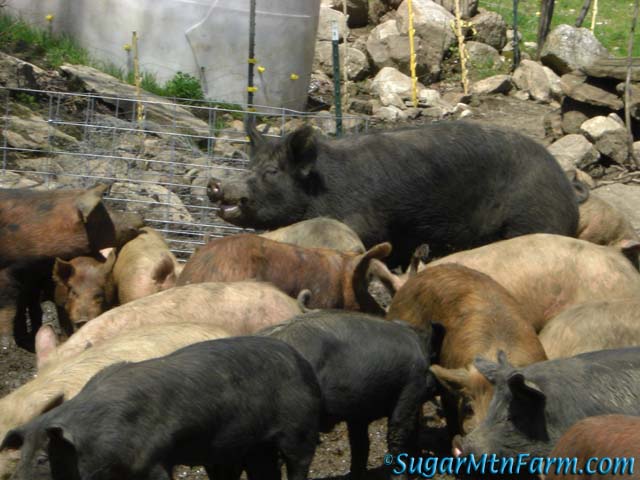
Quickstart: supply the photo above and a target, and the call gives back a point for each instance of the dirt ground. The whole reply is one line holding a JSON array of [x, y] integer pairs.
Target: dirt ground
[[332, 456]]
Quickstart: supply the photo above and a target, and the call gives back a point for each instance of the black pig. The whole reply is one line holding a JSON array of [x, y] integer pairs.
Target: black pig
[[225, 404], [367, 368], [533, 406], [453, 185]]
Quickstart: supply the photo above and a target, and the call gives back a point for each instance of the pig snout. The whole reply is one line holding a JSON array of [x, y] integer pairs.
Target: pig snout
[[214, 190], [456, 447]]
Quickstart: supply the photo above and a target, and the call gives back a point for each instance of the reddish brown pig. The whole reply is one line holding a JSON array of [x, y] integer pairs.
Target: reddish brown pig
[[479, 318], [36, 227], [63, 380], [613, 437], [335, 279], [592, 326], [319, 232], [84, 287], [548, 273], [238, 307], [144, 266]]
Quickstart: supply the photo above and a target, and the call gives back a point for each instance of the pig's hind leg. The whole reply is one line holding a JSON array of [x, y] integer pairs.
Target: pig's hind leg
[[359, 443]]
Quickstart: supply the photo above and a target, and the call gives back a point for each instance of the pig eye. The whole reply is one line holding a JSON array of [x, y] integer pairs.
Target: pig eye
[[43, 459], [270, 171]]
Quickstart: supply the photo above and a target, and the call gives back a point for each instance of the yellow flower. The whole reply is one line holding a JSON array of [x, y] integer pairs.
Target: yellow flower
[[127, 47], [261, 69], [294, 76], [49, 18]]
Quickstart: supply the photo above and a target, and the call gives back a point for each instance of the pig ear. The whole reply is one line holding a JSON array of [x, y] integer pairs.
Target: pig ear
[[46, 342], [13, 440], [164, 273], [420, 256], [391, 281], [107, 266], [53, 402], [629, 247], [255, 137], [523, 388], [302, 150], [454, 380], [62, 271], [89, 200], [487, 368]]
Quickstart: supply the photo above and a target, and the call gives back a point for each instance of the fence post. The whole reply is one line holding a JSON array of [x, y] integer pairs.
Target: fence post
[[412, 56], [583, 13], [516, 43], [546, 14], [462, 51], [251, 89], [335, 38], [594, 13]]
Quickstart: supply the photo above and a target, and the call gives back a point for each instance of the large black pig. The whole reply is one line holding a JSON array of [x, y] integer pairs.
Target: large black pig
[[453, 185], [368, 368], [226, 404], [533, 406]]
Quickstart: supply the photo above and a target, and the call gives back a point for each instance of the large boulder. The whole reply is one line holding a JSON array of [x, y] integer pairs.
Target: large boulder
[[387, 47], [483, 55], [390, 81], [432, 24], [574, 151], [569, 48], [16, 73], [325, 24], [357, 62], [24, 129], [491, 29], [609, 136], [576, 86]]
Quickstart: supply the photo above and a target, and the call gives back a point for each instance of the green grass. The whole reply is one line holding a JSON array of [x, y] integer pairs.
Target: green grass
[[613, 20]]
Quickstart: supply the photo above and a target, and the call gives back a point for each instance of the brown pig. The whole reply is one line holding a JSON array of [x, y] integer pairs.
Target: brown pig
[[63, 380], [335, 279], [240, 308], [609, 440], [592, 326], [36, 227], [84, 287], [320, 232], [478, 318], [144, 266], [549, 273]]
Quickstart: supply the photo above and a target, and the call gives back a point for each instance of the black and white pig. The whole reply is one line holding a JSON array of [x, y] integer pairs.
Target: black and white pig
[[533, 406], [453, 185], [367, 368], [225, 404]]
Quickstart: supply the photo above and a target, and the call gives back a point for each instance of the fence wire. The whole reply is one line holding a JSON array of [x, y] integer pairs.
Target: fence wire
[[158, 168]]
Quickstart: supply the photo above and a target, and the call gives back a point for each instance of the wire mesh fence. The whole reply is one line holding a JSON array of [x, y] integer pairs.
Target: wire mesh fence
[[157, 155]]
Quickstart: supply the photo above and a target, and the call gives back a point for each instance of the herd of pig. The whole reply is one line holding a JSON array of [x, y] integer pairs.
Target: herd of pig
[[515, 304]]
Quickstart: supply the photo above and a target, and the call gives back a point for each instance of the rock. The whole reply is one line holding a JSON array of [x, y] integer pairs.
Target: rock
[[491, 29], [609, 137], [427, 97], [585, 178], [432, 24], [455, 97], [357, 10], [387, 47], [23, 129], [574, 151], [380, 8], [483, 55], [357, 62], [88, 79], [152, 201], [569, 48], [392, 99], [625, 198], [553, 125], [468, 8], [573, 120], [554, 83], [634, 104], [521, 95], [390, 80], [320, 90], [16, 73], [15, 180], [495, 84], [575, 86], [636, 150], [325, 24], [389, 114], [531, 77]]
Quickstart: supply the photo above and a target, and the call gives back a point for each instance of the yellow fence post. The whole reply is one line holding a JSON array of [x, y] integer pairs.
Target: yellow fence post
[[412, 56], [464, 77], [136, 78], [594, 13]]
